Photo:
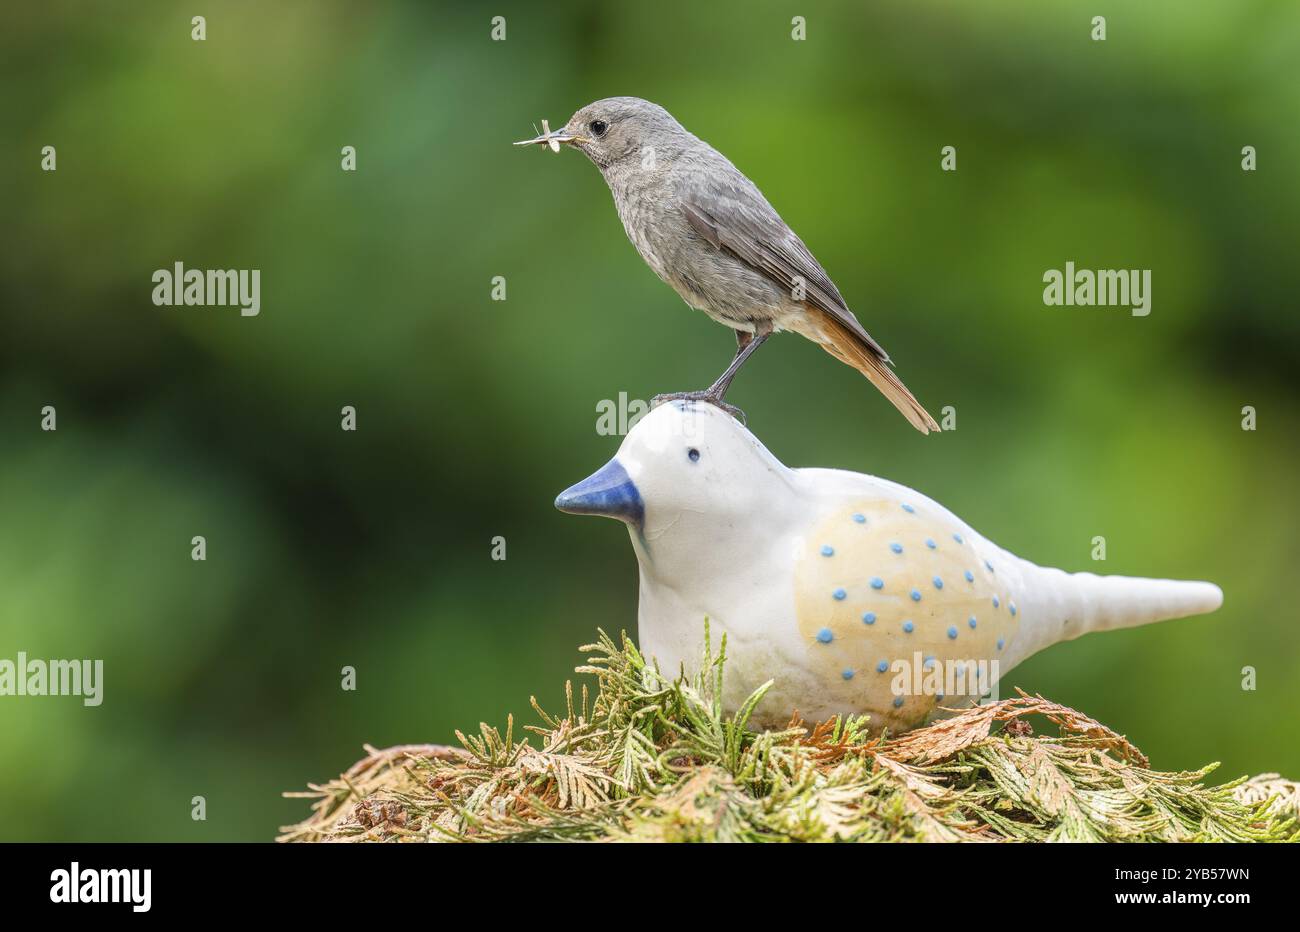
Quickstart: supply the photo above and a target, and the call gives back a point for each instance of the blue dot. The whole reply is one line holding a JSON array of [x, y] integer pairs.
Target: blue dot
[[861, 519], [916, 595], [897, 548], [957, 538], [988, 566], [868, 618], [952, 631], [996, 602], [877, 582], [908, 626], [1012, 606], [882, 666], [928, 663], [1001, 643], [847, 674], [898, 702], [909, 509], [938, 583], [825, 635], [828, 550], [970, 577], [838, 595], [971, 621], [931, 544]]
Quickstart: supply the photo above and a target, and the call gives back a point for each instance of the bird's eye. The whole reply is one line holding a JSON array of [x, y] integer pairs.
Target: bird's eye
[[693, 454], [599, 127]]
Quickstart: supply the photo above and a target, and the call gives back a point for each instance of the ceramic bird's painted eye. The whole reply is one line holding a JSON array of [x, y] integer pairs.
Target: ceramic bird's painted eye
[[693, 455], [599, 128]]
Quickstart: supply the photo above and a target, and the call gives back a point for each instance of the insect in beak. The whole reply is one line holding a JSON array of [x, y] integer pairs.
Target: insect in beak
[[549, 138]]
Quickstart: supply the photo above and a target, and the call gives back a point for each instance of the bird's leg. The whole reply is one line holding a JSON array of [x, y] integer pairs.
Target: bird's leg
[[746, 343]]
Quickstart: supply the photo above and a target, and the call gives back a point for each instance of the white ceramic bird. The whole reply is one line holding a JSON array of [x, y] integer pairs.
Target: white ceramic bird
[[851, 593]]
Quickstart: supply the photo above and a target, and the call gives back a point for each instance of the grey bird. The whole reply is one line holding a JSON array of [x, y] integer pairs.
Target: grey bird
[[707, 231]]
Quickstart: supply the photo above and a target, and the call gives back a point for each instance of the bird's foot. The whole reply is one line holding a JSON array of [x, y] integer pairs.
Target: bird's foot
[[711, 397]]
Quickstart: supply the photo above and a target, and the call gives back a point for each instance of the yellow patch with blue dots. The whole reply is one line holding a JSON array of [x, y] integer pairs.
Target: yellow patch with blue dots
[[881, 580]]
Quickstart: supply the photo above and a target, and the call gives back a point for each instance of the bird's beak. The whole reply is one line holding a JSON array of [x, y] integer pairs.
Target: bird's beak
[[609, 492], [552, 138]]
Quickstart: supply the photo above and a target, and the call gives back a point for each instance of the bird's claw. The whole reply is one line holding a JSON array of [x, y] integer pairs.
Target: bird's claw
[[706, 396]]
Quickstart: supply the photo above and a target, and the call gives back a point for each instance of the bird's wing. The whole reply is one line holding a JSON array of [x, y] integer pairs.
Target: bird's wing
[[733, 215]]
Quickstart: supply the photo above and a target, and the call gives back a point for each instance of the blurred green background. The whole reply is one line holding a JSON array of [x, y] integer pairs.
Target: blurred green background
[[372, 549]]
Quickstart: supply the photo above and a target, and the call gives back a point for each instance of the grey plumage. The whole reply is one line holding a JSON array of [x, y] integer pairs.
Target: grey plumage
[[707, 231]]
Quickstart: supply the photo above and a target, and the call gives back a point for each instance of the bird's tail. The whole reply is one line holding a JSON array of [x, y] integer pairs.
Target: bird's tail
[[849, 348], [1058, 606]]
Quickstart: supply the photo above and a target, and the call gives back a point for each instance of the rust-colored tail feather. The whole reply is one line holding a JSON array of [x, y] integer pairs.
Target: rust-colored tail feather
[[847, 347]]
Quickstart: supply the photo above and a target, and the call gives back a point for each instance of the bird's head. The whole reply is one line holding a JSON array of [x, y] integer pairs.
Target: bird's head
[[618, 129], [687, 475]]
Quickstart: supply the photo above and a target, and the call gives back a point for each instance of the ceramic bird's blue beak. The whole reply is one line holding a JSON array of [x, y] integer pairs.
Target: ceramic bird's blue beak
[[609, 491]]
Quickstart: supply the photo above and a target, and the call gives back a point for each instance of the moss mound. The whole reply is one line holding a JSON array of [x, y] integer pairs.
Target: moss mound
[[653, 758]]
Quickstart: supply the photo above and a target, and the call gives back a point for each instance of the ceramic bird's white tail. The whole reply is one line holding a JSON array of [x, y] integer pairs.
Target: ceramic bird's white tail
[[1059, 606]]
